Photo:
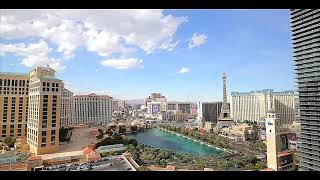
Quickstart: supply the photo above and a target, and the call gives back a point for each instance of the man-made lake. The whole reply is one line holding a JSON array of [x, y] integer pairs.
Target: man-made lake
[[165, 140]]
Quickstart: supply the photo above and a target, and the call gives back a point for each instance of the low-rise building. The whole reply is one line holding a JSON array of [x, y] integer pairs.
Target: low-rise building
[[240, 132]]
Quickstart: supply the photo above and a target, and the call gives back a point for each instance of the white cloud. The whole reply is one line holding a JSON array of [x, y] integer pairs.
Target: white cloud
[[102, 31], [123, 64], [34, 54], [183, 70], [197, 40]]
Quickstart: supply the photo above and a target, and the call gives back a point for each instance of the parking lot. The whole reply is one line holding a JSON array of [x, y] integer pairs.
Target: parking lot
[[114, 163]]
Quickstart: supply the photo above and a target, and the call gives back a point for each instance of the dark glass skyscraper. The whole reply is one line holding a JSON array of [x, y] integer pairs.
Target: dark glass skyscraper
[[305, 26]]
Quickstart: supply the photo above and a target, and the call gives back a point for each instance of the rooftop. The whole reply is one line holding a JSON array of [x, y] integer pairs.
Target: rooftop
[[14, 73], [61, 155]]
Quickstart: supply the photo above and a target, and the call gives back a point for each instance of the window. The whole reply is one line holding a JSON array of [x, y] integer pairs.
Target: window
[[44, 133], [43, 145], [43, 140], [19, 130], [48, 84], [19, 125], [53, 138], [8, 82], [53, 132], [5, 83], [4, 126], [45, 96]]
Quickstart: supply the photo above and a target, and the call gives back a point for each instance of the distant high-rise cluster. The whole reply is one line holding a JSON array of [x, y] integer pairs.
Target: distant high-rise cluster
[[253, 106], [305, 27]]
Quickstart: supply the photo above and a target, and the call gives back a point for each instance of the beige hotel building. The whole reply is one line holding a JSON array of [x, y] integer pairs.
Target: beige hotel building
[[65, 105], [13, 104], [253, 106], [91, 109], [44, 111]]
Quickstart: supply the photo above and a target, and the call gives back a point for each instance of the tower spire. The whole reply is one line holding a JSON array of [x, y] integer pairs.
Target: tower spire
[[225, 100]]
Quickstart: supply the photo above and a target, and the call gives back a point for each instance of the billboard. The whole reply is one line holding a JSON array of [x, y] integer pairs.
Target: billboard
[[155, 108], [284, 143], [285, 160], [292, 136]]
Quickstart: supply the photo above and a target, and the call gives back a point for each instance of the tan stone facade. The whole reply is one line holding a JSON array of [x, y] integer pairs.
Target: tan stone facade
[[65, 104], [13, 104], [44, 111]]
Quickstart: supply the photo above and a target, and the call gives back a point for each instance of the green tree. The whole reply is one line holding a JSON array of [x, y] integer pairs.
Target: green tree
[[143, 168], [260, 166], [9, 142], [223, 165], [163, 163], [122, 129]]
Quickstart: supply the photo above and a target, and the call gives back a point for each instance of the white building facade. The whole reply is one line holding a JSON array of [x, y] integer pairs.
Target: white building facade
[[65, 107], [253, 106], [91, 109]]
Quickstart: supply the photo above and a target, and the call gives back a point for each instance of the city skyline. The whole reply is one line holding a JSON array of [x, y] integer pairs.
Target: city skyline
[[170, 52]]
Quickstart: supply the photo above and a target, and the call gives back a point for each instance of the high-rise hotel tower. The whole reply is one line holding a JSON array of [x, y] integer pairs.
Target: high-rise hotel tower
[[44, 111], [13, 104], [305, 27]]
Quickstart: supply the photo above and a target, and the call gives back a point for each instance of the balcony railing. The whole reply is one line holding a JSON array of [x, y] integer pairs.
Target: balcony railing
[[304, 43], [307, 33], [304, 15], [294, 41], [304, 24]]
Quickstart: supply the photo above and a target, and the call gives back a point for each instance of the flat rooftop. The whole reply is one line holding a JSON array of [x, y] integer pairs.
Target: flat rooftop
[[61, 155]]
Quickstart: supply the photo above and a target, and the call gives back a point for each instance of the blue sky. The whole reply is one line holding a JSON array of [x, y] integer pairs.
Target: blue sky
[[252, 46]]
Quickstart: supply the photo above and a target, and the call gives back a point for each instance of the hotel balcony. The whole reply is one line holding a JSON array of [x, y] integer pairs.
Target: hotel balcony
[[307, 62], [305, 43], [309, 118], [303, 57], [310, 103], [314, 157], [305, 164], [308, 90], [296, 13], [307, 33], [304, 25], [315, 150], [295, 41], [306, 47], [309, 99], [296, 32], [309, 84], [310, 108], [310, 113]]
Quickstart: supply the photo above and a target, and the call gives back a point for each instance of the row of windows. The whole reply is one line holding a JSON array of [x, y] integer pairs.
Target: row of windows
[[15, 83], [52, 84]]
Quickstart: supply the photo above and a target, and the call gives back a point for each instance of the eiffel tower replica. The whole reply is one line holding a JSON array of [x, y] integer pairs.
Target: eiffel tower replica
[[225, 119]]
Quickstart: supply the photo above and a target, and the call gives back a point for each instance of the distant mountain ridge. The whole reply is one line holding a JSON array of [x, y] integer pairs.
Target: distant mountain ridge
[[135, 101]]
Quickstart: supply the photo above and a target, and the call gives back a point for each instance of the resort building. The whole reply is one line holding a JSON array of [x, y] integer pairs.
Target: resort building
[[14, 89], [242, 132], [253, 106], [65, 107], [305, 28], [156, 104], [91, 109], [208, 111], [43, 111]]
